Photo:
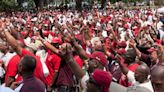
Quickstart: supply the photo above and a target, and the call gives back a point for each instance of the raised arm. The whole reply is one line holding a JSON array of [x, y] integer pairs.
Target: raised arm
[[49, 46], [67, 55], [10, 39], [81, 52], [133, 45], [123, 68]]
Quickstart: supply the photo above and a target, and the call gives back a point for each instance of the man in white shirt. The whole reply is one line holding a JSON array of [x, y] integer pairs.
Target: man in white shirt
[[138, 78]]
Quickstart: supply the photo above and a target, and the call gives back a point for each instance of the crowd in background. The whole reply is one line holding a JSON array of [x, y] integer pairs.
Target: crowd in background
[[110, 50]]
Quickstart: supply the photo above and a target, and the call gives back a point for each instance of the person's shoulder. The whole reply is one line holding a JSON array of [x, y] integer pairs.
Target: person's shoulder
[[5, 89], [40, 83]]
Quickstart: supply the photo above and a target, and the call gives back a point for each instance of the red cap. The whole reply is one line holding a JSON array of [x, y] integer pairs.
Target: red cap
[[102, 78], [126, 19], [99, 56], [46, 33], [126, 26], [122, 44], [56, 40], [121, 51], [102, 20], [23, 33], [78, 36], [152, 49], [45, 23]]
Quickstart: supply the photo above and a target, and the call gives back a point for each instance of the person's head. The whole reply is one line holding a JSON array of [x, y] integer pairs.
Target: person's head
[[157, 78], [153, 54], [99, 81], [141, 73], [111, 36], [29, 49], [27, 65], [64, 45], [97, 60], [96, 43], [122, 44], [56, 42], [129, 56]]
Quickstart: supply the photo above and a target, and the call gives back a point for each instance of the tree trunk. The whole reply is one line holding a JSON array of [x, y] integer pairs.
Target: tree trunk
[[79, 5], [40, 3], [103, 3]]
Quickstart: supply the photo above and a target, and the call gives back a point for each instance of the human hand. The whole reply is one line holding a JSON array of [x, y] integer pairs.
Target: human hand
[[119, 59], [49, 89], [14, 85], [66, 52], [132, 43]]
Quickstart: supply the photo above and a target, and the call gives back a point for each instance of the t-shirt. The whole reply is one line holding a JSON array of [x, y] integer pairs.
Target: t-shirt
[[131, 78], [32, 84], [38, 70], [12, 68], [78, 60], [53, 64], [65, 75], [5, 89]]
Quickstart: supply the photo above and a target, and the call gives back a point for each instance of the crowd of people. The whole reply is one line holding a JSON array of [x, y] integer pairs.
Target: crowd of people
[[110, 50]]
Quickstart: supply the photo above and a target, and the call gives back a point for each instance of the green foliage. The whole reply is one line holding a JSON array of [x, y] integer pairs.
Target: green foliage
[[7, 5], [125, 1], [10, 5]]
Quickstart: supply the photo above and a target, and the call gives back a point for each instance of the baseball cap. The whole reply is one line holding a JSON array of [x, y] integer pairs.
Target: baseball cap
[[99, 56], [122, 44], [56, 40], [114, 87], [102, 78]]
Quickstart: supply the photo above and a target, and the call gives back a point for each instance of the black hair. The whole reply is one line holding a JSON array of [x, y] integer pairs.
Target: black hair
[[28, 63], [130, 56]]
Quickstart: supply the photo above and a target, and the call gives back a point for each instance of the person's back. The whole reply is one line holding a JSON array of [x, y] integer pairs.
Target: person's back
[[32, 84]]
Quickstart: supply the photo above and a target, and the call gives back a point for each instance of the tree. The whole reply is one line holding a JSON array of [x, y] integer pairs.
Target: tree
[[78, 4]]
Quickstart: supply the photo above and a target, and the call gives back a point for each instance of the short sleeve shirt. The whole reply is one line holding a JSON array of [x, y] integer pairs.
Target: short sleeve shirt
[[12, 68], [53, 64]]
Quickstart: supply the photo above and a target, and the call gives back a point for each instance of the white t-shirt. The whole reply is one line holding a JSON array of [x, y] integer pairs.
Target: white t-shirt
[[5, 89], [131, 78], [84, 81], [161, 32], [6, 58]]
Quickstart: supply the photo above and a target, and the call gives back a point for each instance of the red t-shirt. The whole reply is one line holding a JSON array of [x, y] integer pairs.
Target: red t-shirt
[[53, 64], [38, 70], [78, 60], [12, 68]]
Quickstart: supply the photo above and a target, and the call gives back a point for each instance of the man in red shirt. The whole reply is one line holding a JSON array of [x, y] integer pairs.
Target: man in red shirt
[[53, 64], [12, 70], [22, 52]]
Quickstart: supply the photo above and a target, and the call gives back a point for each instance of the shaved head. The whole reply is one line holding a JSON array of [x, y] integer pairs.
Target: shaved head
[[141, 73], [157, 78]]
